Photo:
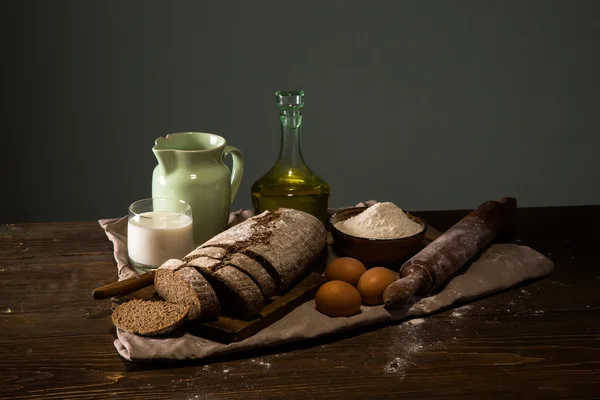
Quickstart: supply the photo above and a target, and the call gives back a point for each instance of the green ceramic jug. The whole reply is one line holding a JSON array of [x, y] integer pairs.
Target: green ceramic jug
[[190, 168]]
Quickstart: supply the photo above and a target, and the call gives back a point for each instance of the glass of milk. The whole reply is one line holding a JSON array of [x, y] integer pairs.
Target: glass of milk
[[158, 229]]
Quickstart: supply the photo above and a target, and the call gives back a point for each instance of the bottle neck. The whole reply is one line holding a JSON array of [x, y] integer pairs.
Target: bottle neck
[[290, 153]]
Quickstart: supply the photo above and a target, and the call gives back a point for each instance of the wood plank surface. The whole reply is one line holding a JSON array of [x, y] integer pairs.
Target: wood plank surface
[[541, 340]]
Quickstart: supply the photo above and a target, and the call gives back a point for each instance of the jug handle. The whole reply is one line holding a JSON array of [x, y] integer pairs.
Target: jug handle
[[237, 169]]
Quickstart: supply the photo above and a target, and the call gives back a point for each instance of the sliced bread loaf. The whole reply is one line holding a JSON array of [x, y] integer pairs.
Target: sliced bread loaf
[[245, 265], [149, 318], [185, 285], [285, 242]]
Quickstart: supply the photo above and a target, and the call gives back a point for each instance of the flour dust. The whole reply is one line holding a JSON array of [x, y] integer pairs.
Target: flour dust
[[407, 341]]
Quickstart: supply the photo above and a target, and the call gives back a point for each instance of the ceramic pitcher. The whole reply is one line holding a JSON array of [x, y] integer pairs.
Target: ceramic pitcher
[[190, 168]]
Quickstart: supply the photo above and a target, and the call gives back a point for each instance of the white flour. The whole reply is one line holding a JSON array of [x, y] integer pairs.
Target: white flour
[[381, 221], [262, 363], [407, 340], [461, 311], [397, 366]]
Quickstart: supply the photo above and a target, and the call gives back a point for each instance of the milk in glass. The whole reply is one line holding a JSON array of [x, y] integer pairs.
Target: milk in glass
[[154, 237]]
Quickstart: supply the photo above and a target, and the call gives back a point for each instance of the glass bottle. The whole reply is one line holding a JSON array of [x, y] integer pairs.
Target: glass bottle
[[290, 183]]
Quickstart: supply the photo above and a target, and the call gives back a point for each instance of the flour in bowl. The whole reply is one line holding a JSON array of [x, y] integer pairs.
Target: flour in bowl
[[381, 221]]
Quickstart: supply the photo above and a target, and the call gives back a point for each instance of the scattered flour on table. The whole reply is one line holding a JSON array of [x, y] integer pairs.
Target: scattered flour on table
[[519, 304], [397, 365], [415, 336], [381, 221], [407, 339], [262, 363], [461, 311]]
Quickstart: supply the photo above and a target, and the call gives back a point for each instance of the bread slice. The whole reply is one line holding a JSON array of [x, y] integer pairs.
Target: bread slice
[[173, 264], [255, 271], [218, 253], [149, 318], [185, 285], [238, 294]]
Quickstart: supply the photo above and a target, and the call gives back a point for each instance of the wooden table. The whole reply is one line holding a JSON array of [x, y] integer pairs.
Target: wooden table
[[541, 340]]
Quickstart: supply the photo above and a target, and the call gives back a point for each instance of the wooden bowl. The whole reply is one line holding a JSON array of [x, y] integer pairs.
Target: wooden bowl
[[374, 252]]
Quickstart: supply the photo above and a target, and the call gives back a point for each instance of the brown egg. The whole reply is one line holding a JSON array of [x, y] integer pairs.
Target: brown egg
[[372, 284], [338, 299], [345, 269]]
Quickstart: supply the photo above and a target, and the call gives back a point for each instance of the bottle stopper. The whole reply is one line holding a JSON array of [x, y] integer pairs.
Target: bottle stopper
[[288, 99]]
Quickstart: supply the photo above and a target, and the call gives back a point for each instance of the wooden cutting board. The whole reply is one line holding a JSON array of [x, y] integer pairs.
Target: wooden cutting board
[[227, 329]]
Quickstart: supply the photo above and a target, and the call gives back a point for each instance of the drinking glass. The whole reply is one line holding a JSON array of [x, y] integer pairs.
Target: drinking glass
[[158, 229]]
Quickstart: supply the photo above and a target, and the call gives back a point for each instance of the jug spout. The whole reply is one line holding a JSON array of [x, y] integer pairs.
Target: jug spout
[[167, 159]]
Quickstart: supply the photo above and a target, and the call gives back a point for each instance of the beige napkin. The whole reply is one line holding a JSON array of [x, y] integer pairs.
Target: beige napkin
[[500, 267]]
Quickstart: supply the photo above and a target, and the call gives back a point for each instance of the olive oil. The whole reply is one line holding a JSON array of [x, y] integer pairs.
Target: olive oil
[[290, 183], [311, 199]]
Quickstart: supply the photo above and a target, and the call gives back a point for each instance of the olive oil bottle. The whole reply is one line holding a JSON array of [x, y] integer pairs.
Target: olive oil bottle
[[290, 183]]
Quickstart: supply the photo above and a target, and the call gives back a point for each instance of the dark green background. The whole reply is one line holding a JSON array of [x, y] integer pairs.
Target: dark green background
[[429, 104]]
